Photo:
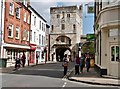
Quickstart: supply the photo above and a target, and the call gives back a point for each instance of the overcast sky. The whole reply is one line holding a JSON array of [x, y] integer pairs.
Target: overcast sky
[[43, 6]]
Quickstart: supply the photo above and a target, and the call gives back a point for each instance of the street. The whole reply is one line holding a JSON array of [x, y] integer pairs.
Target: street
[[46, 75]]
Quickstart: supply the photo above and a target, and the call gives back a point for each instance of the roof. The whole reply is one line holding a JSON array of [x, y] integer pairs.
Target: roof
[[36, 13]]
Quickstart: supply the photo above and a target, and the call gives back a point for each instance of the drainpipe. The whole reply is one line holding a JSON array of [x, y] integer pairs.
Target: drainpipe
[[100, 47]]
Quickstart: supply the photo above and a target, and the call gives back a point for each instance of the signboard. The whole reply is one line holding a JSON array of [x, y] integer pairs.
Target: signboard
[[90, 9], [90, 37]]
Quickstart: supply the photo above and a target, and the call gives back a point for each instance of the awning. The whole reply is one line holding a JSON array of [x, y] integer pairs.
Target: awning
[[32, 47]]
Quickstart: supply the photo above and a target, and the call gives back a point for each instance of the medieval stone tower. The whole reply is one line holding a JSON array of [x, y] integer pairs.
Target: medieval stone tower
[[66, 29]]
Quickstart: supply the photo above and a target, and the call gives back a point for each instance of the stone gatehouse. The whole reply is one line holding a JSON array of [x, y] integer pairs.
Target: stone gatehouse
[[66, 30]]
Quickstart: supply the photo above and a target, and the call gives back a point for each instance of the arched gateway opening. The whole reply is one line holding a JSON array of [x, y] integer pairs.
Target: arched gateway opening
[[60, 51]]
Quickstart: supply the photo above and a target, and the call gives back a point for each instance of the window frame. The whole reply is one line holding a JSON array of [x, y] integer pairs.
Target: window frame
[[17, 29], [17, 13], [11, 30], [11, 9]]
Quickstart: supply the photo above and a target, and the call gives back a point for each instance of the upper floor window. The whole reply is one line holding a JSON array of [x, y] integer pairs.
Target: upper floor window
[[74, 26], [68, 15], [28, 21], [52, 28], [40, 25], [63, 27], [39, 38], [30, 35], [25, 3], [113, 32], [63, 14], [58, 16], [10, 31], [34, 36], [17, 32], [25, 17], [11, 12], [17, 12], [35, 21]]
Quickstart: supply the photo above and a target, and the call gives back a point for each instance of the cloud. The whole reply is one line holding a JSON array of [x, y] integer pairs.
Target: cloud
[[43, 6]]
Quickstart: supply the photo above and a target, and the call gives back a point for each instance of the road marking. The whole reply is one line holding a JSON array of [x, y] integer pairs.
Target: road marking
[[64, 84]]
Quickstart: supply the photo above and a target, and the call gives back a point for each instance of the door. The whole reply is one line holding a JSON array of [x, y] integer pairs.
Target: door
[[114, 60]]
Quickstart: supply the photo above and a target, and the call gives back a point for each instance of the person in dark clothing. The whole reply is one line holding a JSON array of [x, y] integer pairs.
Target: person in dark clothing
[[23, 59], [77, 65], [65, 64], [17, 63], [87, 62], [82, 63]]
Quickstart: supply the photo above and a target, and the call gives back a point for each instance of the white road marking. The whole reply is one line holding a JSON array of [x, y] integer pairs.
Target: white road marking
[[64, 84]]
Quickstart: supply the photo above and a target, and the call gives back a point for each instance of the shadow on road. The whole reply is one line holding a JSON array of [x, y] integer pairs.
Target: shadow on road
[[48, 70]]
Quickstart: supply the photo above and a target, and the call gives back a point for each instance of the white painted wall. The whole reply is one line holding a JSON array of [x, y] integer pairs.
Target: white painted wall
[[36, 28]]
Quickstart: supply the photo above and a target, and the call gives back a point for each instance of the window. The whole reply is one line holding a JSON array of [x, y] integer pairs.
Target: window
[[42, 39], [68, 15], [25, 3], [113, 32], [74, 27], [28, 21], [115, 53], [34, 36], [25, 17], [27, 35], [10, 31], [30, 35], [58, 16], [17, 12], [34, 21], [17, 32], [40, 25], [11, 12], [63, 26], [63, 13], [39, 38], [52, 28]]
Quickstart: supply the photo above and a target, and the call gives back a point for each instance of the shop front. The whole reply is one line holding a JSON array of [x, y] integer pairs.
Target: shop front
[[32, 53]]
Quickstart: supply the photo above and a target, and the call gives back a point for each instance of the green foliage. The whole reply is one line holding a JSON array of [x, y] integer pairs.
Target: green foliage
[[88, 47]]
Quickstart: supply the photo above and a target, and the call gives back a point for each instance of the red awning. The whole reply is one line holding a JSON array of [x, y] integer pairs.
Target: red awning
[[32, 47]]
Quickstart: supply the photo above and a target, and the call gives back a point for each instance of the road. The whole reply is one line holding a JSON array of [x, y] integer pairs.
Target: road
[[47, 75]]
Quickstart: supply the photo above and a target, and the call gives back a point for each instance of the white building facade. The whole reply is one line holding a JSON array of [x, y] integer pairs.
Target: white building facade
[[107, 31], [37, 37]]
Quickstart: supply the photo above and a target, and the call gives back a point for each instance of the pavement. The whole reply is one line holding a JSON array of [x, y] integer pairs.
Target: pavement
[[11, 69], [92, 77]]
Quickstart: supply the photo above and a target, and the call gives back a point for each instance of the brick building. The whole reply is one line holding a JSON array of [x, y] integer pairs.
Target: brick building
[[16, 30]]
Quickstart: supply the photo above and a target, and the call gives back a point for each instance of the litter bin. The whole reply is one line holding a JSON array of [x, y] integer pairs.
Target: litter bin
[[3, 62]]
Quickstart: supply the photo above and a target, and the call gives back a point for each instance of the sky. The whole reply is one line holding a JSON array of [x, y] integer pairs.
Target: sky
[[43, 8]]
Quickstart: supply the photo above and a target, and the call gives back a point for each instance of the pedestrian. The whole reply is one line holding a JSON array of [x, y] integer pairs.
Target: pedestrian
[[23, 59], [82, 63], [77, 65], [65, 64], [17, 62], [87, 61]]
